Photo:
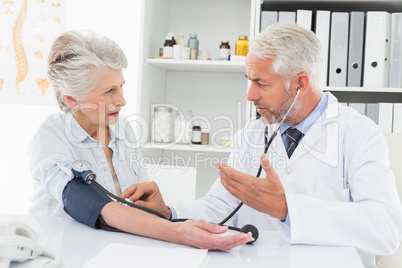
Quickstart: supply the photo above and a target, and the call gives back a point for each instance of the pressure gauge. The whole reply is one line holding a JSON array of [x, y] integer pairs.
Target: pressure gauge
[[81, 165], [82, 169]]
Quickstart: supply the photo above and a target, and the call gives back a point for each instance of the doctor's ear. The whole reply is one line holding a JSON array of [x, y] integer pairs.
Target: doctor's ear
[[303, 82], [70, 101]]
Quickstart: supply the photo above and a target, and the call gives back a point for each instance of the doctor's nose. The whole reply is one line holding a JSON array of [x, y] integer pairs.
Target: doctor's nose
[[253, 94]]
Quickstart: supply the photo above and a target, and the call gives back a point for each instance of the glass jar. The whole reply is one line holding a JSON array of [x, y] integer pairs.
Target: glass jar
[[163, 124], [224, 50], [242, 46]]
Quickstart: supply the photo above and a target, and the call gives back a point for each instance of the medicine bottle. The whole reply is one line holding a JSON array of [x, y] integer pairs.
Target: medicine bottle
[[180, 40], [196, 137], [224, 50], [168, 47], [172, 35], [193, 44], [242, 46]]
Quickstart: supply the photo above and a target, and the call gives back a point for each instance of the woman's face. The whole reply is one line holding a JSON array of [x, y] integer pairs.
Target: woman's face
[[103, 104]]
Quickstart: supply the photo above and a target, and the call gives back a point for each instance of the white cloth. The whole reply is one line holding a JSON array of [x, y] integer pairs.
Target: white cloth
[[59, 141], [338, 185]]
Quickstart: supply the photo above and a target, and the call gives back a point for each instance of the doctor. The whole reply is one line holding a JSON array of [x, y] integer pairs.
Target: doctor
[[325, 178]]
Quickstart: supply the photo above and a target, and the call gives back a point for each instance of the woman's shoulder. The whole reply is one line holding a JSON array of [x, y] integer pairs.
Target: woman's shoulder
[[54, 120], [51, 124]]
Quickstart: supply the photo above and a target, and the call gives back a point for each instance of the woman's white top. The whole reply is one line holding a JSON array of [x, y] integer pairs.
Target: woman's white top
[[59, 141]]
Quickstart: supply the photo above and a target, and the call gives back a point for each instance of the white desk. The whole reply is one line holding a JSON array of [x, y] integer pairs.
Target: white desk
[[78, 243]]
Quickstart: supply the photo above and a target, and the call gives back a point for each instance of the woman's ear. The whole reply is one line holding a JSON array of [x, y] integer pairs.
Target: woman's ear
[[70, 101]]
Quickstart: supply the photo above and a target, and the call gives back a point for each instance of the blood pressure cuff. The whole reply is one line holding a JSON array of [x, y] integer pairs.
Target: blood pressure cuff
[[84, 202]]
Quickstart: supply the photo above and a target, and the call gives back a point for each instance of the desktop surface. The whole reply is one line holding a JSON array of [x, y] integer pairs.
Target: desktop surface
[[78, 244]]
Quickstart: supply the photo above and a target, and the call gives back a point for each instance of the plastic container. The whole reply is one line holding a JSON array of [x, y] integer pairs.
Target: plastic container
[[193, 44], [180, 40], [168, 47], [242, 46]]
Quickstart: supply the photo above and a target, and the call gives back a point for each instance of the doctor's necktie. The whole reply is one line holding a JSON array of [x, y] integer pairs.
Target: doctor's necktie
[[293, 137]]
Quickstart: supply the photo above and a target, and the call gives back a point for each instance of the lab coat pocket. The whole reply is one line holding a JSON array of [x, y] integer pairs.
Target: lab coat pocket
[[329, 192]]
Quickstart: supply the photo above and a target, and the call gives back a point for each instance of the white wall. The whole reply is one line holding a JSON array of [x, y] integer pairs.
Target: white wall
[[119, 20]]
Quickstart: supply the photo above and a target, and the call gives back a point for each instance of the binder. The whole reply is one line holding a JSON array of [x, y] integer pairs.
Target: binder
[[322, 29], [355, 58], [372, 110], [397, 120], [377, 45], [338, 54], [268, 18], [395, 68], [304, 18], [287, 16], [385, 113], [360, 107]]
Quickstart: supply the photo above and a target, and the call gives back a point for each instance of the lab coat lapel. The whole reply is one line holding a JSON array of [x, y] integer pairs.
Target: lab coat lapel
[[321, 139]]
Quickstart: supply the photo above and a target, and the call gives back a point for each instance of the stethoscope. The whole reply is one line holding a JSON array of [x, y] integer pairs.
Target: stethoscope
[[82, 169], [267, 144]]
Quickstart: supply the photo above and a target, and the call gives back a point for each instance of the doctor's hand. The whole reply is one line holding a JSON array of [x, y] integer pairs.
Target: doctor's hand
[[202, 234], [266, 195], [147, 194]]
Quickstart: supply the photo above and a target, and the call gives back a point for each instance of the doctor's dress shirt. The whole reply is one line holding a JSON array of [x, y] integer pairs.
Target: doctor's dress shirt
[[59, 141]]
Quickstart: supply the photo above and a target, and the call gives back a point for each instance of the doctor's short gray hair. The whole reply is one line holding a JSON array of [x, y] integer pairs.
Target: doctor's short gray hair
[[293, 49], [76, 58]]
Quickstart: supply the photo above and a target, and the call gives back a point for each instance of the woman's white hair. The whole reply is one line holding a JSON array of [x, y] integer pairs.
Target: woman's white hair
[[293, 49], [76, 58]]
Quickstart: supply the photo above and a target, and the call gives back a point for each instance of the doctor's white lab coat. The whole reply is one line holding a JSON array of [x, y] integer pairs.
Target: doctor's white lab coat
[[338, 185]]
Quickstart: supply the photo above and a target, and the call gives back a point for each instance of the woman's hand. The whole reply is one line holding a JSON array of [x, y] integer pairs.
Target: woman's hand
[[203, 234], [194, 233], [147, 194]]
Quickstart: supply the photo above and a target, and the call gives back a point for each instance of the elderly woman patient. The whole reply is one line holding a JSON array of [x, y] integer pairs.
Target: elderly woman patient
[[85, 69]]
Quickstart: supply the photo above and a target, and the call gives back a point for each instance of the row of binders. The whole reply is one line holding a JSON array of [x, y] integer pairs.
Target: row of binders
[[387, 115], [359, 49]]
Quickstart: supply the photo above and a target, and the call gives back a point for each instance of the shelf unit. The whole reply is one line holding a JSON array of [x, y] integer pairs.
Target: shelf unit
[[343, 94], [186, 147], [198, 65], [215, 90], [219, 89]]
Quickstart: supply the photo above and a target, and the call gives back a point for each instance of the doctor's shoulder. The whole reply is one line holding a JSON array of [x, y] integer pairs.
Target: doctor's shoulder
[[353, 118], [357, 127]]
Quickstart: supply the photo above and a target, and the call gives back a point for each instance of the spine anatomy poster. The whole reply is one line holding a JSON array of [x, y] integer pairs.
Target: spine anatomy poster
[[27, 30]]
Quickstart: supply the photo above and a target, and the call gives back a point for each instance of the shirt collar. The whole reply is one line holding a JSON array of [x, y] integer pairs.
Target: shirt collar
[[117, 130], [74, 128], [308, 122]]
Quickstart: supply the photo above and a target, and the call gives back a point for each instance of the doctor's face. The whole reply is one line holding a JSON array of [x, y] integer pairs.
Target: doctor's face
[[103, 104], [268, 92]]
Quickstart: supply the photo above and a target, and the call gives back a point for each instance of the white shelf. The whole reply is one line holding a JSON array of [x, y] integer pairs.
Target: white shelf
[[198, 65], [186, 147], [364, 89]]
